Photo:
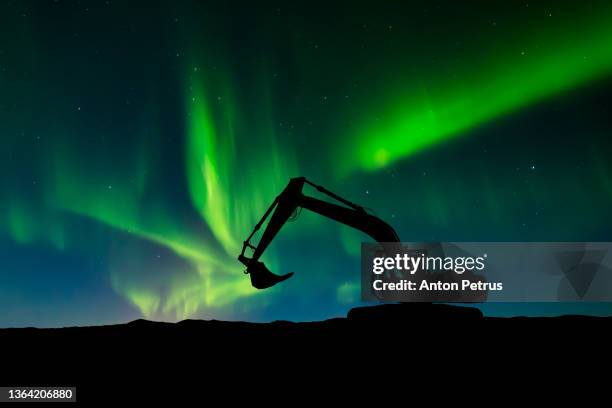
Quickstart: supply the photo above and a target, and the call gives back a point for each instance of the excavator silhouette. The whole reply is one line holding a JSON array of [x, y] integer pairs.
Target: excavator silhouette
[[287, 204]]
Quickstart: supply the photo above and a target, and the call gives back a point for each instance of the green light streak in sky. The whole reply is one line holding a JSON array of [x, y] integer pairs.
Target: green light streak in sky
[[208, 192], [235, 166], [230, 183], [28, 224], [20, 225], [514, 78]]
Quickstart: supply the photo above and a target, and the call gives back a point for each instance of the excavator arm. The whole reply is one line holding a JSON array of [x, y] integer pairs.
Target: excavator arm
[[281, 209]]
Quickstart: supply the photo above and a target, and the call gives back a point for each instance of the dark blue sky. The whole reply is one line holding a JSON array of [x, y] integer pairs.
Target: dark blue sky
[[142, 143]]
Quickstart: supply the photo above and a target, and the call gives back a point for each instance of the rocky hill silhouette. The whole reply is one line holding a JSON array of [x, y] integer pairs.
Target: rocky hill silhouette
[[405, 336]]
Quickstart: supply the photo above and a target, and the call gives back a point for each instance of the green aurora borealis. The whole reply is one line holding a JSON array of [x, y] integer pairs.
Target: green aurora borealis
[[547, 63], [142, 144]]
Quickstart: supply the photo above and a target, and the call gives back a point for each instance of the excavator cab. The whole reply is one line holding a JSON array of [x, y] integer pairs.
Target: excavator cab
[[285, 206]]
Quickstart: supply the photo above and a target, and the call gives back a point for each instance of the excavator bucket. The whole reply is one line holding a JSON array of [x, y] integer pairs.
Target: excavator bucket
[[262, 278]]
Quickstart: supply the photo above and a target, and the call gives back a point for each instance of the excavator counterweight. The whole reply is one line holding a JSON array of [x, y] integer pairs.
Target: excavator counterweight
[[282, 208]]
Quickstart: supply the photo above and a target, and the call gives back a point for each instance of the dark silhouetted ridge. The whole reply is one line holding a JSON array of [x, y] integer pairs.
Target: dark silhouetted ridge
[[408, 337]]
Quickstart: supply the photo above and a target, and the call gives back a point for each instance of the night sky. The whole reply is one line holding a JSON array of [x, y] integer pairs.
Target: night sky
[[142, 141]]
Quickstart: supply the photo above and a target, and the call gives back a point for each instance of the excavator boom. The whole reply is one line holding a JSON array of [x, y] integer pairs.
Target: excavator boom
[[285, 204]]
